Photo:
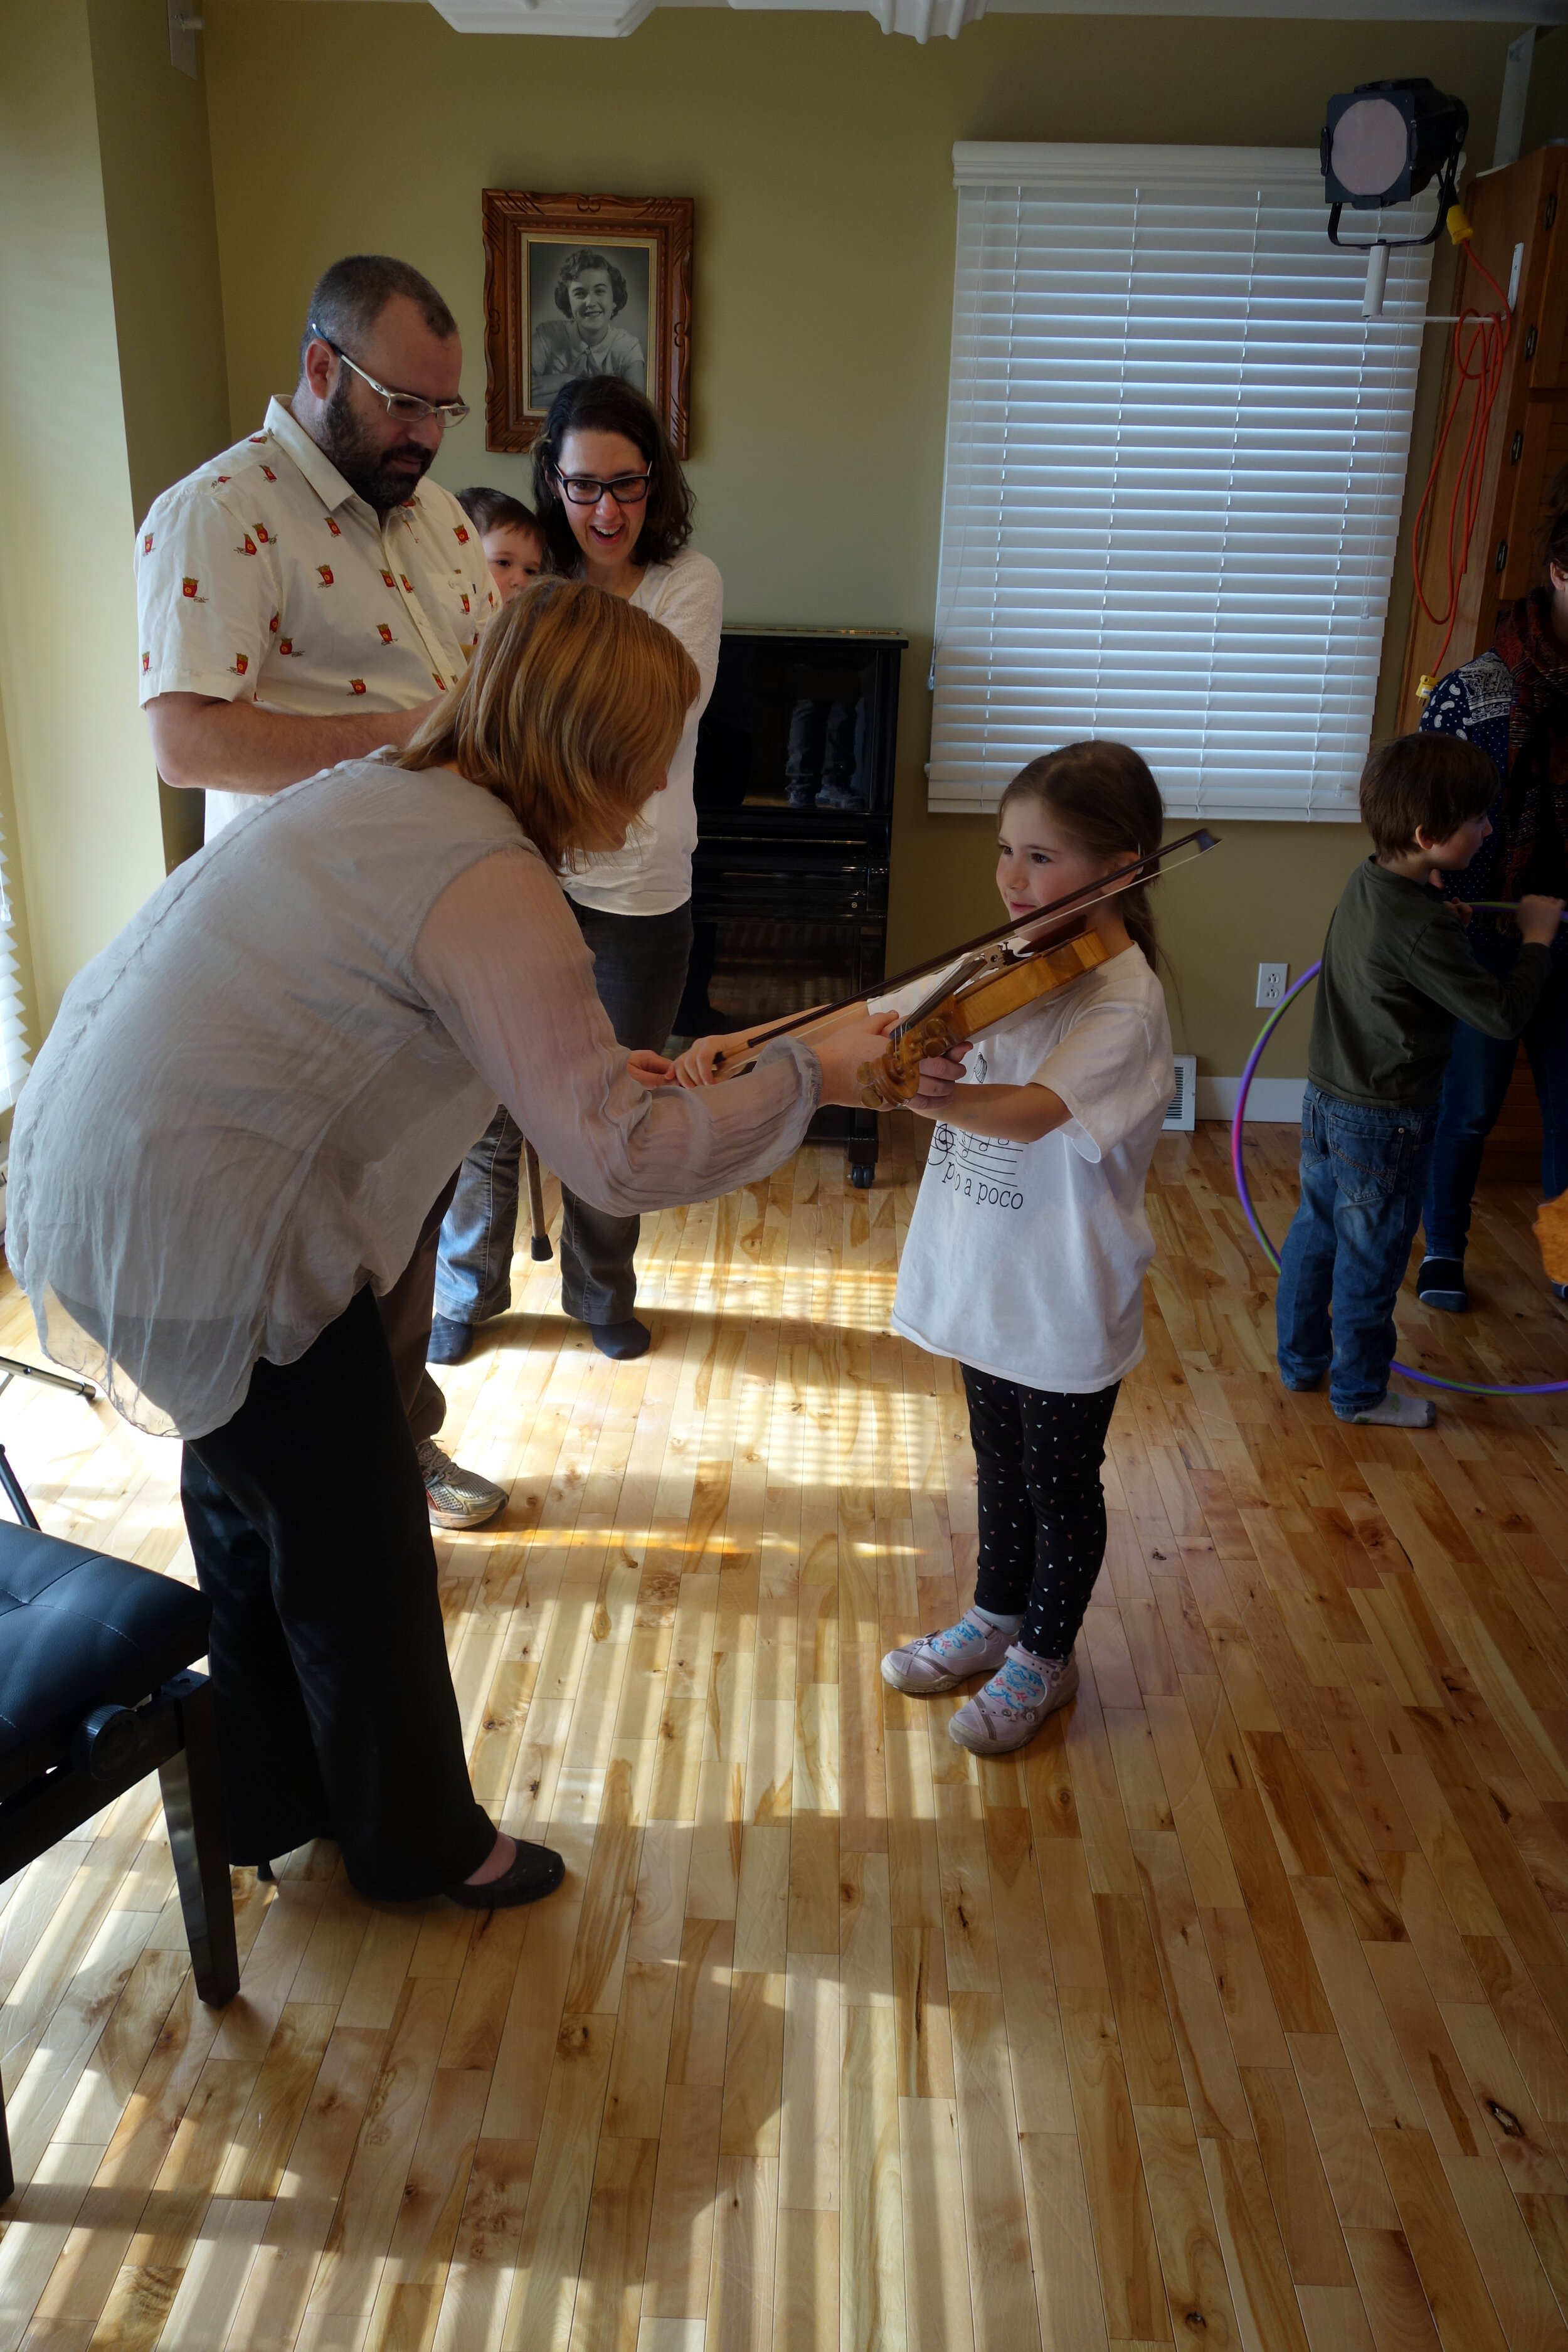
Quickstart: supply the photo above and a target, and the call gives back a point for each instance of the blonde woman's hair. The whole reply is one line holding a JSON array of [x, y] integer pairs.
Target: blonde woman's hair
[[570, 713]]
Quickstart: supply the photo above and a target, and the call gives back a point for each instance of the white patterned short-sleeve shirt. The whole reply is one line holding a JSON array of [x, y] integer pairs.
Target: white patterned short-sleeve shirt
[[264, 574]]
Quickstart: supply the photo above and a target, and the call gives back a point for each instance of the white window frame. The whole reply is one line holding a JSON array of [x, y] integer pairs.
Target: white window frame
[[1068, 603]]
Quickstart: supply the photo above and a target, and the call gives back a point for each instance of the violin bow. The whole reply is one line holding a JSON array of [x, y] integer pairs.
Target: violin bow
[[1087, 894]]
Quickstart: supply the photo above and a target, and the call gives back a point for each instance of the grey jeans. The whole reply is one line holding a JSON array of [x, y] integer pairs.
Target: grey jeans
[[639, 970]]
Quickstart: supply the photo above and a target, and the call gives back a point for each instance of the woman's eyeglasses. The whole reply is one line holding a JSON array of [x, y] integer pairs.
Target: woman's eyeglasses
[[586, 489], [406, 406]]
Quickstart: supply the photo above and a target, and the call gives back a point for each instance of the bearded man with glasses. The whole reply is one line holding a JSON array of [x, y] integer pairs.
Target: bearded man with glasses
[[303, 599]]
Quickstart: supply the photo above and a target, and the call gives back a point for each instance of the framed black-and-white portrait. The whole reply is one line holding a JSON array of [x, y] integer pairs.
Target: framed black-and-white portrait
[[582, 286]]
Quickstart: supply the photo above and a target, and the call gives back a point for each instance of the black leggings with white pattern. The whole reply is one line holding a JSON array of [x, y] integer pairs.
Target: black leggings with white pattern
[[1042, 1507]]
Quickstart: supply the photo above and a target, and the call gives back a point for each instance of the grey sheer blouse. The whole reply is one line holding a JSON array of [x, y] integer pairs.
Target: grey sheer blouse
[[251, 1098]]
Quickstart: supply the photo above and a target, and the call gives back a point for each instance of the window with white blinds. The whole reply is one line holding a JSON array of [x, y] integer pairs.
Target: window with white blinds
[[1175, 461]]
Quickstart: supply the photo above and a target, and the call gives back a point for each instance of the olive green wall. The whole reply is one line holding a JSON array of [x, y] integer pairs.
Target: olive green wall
[[819, 154], [163, 268], [80, 776]]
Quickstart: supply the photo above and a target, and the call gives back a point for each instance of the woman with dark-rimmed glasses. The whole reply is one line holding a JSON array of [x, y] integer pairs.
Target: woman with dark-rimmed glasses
[[615, 511]]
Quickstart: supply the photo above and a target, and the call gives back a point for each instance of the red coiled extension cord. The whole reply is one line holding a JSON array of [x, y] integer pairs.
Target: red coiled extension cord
[[1480, 340]]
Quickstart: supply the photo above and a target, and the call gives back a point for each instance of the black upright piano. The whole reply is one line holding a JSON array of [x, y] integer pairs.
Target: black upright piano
[[794, 802]]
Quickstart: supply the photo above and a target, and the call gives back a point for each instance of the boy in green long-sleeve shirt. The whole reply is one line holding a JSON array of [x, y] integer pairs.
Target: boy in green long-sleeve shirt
[[1398, 974]]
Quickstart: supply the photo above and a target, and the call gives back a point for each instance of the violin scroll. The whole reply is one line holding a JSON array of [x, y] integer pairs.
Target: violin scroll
[[891, 1081]]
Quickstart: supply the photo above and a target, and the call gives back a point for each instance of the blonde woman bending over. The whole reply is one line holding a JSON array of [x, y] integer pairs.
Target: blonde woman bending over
[[231, 1140]]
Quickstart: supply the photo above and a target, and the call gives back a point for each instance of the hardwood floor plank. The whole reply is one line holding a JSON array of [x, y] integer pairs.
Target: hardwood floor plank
[[544, 2294], [607, 2311], [1314, 2241], [1066, 2277], [1130, 2282], [473, 2303], [1445, 2262], [1201, 2306], [871, 2224], [350, 2270], [1344, 2143]]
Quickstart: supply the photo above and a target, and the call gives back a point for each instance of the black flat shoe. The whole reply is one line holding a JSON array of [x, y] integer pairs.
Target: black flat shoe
[[621, 1341], [449, 1341], [1441, 1283], [536, 1870]]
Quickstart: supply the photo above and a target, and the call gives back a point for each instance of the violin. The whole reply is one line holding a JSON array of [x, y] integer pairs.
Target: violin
[[996, 974], [967, 1005]]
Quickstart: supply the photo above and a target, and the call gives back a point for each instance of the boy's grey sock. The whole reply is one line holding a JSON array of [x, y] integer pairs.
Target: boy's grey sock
[[1396, 1412], [1004, 1625]]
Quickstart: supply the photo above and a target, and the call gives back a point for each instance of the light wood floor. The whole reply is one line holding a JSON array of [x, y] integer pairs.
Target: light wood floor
[[1235, 2012]]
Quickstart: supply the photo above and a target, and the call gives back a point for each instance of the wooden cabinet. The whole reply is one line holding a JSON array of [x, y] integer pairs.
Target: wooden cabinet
[[1524, 207]]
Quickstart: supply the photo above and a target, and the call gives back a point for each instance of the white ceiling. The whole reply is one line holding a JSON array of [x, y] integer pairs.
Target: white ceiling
[[927, 18]]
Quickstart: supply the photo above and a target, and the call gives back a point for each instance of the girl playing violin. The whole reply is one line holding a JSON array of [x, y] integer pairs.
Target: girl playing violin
[[1026, 1251]]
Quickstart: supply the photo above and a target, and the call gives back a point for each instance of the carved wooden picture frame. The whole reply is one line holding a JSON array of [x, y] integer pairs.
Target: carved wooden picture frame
[[577, 285]]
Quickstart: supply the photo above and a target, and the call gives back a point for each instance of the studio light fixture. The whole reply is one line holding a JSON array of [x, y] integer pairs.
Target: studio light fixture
[[1383, 142]]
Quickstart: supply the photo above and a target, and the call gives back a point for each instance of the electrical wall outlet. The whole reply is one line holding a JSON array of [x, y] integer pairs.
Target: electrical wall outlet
[[1272, 981]]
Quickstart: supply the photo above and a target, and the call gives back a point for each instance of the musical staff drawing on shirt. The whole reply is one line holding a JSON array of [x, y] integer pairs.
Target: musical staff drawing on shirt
[[979, 1168], [988, 1156]]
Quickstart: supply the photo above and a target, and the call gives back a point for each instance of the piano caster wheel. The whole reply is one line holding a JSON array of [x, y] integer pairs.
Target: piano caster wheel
[[863, 1178]]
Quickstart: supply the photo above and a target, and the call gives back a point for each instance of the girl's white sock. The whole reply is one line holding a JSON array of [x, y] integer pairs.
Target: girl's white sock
[[994, 1617]]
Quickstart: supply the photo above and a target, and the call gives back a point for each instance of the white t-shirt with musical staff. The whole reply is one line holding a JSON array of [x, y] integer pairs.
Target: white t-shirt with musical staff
[[1027, 1260]]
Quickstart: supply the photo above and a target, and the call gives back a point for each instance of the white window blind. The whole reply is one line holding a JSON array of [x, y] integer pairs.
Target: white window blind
[[1175, 460]]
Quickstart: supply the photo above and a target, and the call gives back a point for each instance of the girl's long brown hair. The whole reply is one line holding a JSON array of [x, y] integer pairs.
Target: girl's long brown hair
[[570, 713], [1111, 805]]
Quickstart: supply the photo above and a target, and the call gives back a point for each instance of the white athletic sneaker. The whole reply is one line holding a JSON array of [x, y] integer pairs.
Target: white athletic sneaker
[[457, 1497], [1013, 1704], [937, 1661]]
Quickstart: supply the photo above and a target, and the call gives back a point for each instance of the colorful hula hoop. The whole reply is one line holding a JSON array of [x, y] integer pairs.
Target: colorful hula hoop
[[1427, 1380]]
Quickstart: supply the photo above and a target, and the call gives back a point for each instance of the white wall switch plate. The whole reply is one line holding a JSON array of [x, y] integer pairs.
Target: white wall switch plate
[[1272, 981]]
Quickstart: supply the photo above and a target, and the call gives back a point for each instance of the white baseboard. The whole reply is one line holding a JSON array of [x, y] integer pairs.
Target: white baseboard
[[1271, 1102]]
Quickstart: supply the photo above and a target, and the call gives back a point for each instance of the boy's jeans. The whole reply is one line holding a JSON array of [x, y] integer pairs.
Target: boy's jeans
[[1480, 1069], [1363, 1169]]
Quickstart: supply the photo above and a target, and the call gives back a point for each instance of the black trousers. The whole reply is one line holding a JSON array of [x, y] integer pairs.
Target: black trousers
[[639, 971], [1042, 1506], [336, 1716]]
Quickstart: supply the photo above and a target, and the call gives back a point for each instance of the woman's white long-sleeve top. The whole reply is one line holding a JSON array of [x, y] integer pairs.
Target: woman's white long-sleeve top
[[652, 875]]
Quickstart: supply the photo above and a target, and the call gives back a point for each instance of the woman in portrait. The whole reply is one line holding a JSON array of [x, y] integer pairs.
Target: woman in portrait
[[231, 1138], [615, 509], [590, 294]]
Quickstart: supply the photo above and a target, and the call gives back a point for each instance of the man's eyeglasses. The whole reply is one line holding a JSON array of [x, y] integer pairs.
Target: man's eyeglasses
[[586, 489], [406, 406]]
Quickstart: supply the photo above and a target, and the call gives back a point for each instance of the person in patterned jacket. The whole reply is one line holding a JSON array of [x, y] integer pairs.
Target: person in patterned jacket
[[1514, 703]]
